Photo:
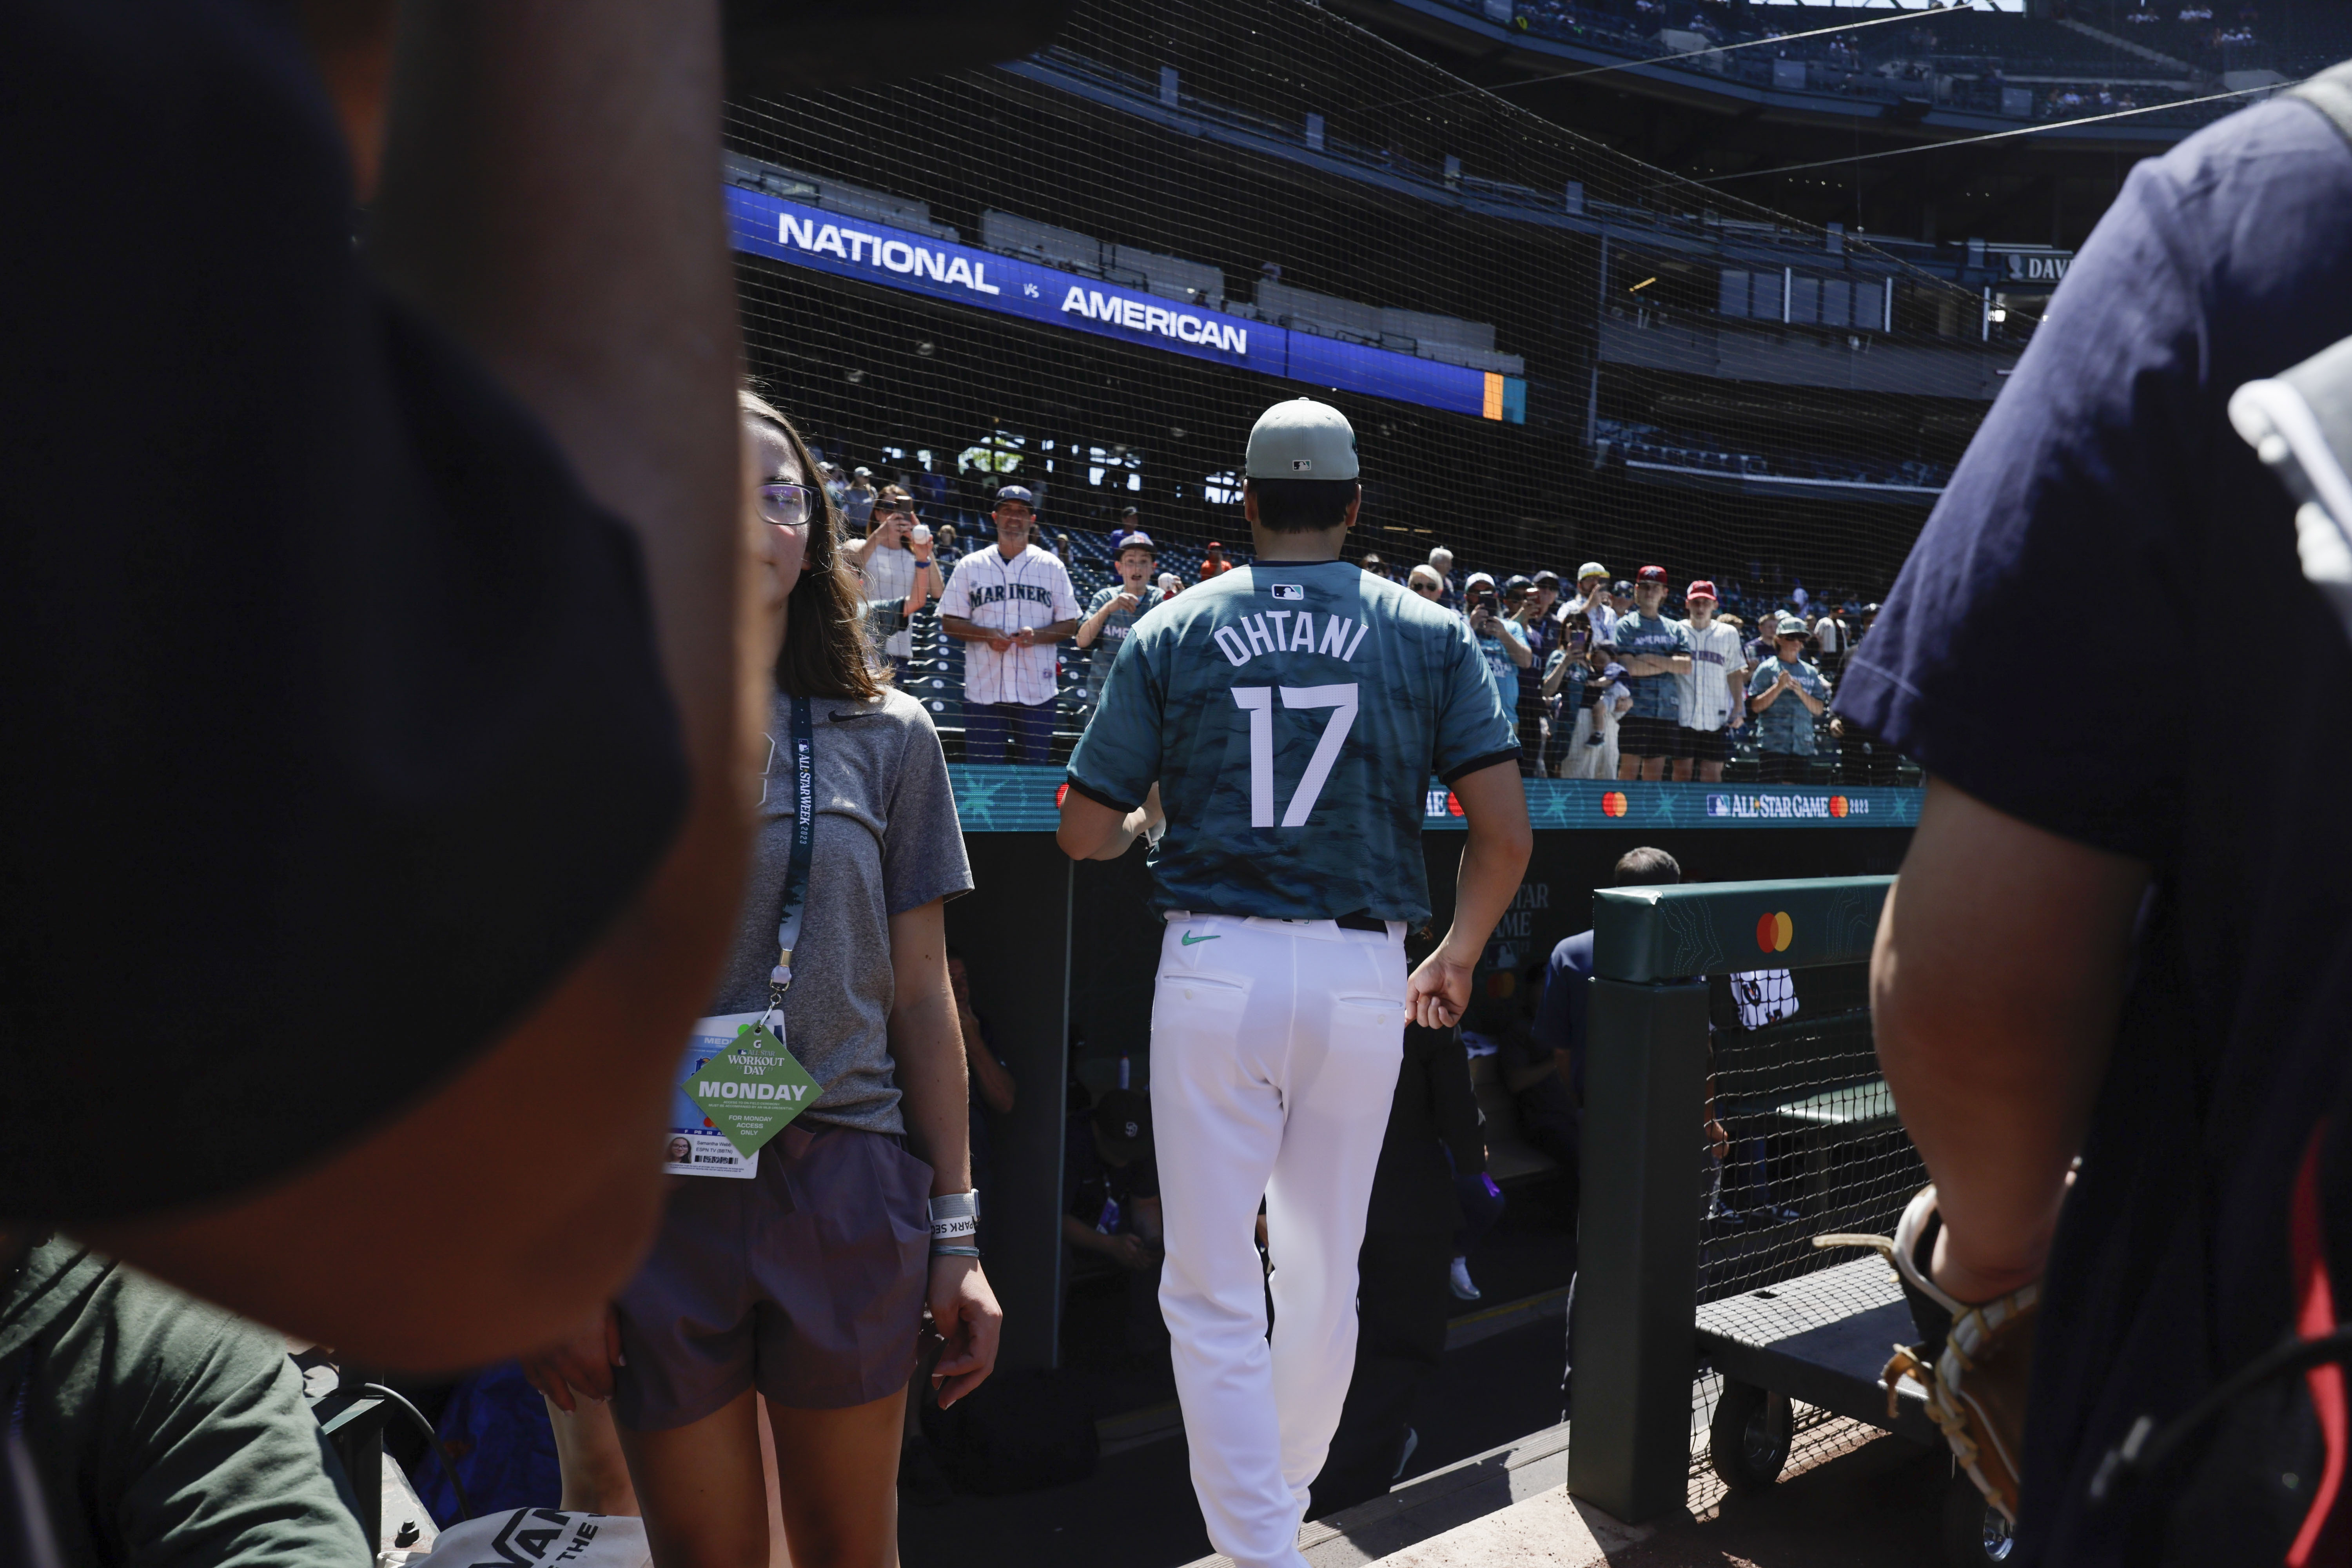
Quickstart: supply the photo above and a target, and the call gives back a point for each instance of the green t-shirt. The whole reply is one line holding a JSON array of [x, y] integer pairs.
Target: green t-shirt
[[1292, 714], [169, 1434]]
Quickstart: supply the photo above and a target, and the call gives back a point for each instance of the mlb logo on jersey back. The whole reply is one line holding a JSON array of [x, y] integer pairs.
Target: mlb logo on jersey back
[[1289, 591]]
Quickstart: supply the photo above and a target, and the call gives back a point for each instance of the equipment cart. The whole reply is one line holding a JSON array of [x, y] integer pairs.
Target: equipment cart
[[1710, 1162]]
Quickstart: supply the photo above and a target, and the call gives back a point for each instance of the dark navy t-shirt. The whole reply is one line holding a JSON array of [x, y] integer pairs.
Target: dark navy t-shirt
[[334, 729], [2107, 473], [1560, 1016]]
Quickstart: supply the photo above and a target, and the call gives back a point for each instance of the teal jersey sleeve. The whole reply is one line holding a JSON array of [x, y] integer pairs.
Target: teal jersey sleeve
[[1291, 715]]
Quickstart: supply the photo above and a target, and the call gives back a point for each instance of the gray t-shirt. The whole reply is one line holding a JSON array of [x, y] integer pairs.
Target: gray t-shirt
[[886, 840]]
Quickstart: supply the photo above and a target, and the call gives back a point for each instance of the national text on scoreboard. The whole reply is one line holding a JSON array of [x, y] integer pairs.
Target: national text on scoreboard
[[900, 259]]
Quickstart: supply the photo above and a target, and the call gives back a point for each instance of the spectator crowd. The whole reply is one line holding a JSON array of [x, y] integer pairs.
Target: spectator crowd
[[1609, 678]]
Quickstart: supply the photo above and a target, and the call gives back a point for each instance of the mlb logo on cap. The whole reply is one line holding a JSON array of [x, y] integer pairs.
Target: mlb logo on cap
[[1302, 439]]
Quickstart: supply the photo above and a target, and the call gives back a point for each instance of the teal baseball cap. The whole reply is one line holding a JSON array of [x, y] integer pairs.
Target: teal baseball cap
[[1302, 439]]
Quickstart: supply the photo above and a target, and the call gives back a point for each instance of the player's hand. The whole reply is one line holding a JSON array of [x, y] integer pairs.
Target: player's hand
[[1127, 1251], [965, 1310], [1025, 637], [1438, 991], [1002, 644], [580, 1362], [1126, 601]]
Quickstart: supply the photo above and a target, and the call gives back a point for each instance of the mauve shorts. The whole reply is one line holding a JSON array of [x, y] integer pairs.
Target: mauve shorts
[[806, 1281]]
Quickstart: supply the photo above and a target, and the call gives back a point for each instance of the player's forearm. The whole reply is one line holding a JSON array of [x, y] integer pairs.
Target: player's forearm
[[1089, 830], [963, 630], [546, 196], [1051, 632], [1496, 844], [1995, 985]]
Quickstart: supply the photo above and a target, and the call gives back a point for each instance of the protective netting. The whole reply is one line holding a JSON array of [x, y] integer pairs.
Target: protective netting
[[1088, 271], [1807, 1144]]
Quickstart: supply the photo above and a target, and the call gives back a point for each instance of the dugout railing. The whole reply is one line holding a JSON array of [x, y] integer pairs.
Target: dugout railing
[[1708, 1328]]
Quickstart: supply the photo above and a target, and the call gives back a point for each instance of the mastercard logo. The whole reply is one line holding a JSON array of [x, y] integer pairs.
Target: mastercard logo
[[1774, 932], [1837, 805], [1501, 984], [1063, 793], [1612, 802]]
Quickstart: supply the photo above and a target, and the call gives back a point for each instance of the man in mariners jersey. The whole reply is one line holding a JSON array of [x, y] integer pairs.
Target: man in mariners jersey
[[1009, 606], [1289, 715]]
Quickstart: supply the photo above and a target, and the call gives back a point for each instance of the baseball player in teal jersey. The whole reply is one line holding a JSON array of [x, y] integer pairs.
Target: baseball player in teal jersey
[[1274, 730]]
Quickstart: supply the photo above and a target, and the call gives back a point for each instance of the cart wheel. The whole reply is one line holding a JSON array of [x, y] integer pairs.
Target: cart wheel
[[1974, 1531], [1748, 1442]]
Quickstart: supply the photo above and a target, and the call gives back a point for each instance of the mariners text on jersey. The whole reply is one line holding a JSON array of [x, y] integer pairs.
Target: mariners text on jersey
[[997, 593], [1291, 715]]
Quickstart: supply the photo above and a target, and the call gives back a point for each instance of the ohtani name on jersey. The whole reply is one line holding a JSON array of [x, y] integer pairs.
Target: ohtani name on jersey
[[997, 593], [1288, 631]]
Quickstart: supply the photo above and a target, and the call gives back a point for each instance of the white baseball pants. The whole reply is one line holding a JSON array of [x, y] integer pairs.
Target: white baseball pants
[[1274, 1047]]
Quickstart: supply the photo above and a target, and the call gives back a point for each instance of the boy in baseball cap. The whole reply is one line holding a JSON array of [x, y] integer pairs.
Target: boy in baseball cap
[[1713, 695], [1115, 609]]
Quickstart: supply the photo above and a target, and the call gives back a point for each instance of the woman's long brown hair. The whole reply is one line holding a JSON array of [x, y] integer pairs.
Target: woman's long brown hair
[[823, 652]]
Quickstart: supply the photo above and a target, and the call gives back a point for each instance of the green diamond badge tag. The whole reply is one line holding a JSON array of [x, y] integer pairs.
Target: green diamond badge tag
[[753, 1090]]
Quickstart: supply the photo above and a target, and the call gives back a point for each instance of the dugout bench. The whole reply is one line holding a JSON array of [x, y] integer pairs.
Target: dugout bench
[[1691, 1265]]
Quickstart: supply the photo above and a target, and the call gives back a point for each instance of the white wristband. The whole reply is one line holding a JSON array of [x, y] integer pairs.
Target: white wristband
[[955, 1216]]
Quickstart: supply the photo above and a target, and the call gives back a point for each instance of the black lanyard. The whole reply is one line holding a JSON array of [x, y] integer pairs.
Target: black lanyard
[[796, 875]]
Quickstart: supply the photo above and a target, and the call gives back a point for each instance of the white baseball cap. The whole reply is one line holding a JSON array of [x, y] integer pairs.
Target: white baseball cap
[[1302, 439]]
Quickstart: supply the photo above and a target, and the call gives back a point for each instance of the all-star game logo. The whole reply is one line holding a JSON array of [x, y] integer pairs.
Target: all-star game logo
[[1787, 807]]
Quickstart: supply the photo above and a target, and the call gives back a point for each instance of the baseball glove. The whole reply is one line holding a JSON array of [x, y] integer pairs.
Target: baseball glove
[[1971, 1359]]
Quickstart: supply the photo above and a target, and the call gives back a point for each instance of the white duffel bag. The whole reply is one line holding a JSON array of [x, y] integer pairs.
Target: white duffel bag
[[542, 1538]]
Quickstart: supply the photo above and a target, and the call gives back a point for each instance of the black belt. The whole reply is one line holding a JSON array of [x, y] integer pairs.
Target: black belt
[[1361, 919]]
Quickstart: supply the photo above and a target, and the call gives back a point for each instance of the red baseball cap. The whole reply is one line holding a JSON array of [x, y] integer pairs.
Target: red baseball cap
[[1651, 574], [1702, 589]]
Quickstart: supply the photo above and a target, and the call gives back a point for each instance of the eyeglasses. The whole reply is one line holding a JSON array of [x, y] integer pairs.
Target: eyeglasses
[[1422, 587], [787, 506]]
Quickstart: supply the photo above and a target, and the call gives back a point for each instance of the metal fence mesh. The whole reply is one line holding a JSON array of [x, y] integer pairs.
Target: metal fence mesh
[[1802, 1140]]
